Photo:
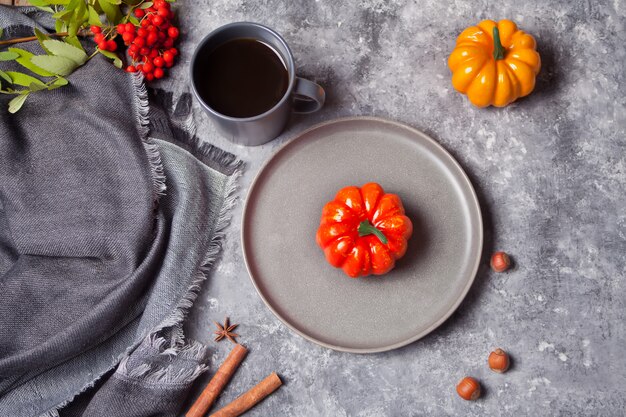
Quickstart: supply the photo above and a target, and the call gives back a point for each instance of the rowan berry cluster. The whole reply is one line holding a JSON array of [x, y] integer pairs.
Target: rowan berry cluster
[[150, 44]]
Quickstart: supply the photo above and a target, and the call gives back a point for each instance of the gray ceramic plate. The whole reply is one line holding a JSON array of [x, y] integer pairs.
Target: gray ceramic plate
[[319, 302]]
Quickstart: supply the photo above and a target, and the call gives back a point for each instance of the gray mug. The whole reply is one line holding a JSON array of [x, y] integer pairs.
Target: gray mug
[[302, 96]]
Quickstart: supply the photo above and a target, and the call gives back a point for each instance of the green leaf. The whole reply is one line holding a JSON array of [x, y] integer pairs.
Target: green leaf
[[43, 3], [8, 56], [81, 15], [116, 59], [94, 18], [60, 26], [45, 9], [55, 64], [73, 4], [132, 19], [37, 87], [78, 16], [73, 40], [115, 1], [16, 103], [42, 37], [64, 49], [24, 60], [72, 29], [59, 82], [62, 14], [112, 11], [146, 4], [1, 32], [5, 77], [24, 80]]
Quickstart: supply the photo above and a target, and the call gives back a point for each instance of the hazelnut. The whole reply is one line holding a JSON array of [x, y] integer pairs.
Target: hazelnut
[[499, 361], [468, 388], [500, 261]]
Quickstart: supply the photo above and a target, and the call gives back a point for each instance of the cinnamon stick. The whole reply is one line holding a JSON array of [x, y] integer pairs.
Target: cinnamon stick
[[218, 382], [248, 400]]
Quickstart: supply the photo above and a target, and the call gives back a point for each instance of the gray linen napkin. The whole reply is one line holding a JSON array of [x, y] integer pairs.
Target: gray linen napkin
[[99, 262]]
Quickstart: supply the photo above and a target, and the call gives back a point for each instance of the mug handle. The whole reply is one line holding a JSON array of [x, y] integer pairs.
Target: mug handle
[[309, 97]]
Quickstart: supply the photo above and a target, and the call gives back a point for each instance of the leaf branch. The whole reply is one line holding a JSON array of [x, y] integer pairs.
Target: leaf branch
[[30, 38]]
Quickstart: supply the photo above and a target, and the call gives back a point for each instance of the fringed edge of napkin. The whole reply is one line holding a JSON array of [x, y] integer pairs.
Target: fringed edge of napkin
[[185, 133], [154, 362], [183, 129], [184, 363], [142, 108]]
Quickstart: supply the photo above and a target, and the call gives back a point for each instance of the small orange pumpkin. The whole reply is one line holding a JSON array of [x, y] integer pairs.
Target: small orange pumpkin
[[494, 63]]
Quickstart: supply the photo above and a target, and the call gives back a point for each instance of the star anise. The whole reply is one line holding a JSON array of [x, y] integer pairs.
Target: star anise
[[225, 331]]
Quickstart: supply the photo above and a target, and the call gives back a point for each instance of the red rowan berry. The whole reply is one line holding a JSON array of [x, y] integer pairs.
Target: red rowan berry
[[163, 12], [151, 38], [157, 20], [168, 56], [147, 67], [173, 32]]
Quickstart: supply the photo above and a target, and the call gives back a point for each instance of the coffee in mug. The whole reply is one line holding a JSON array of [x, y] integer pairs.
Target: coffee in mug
[[242, 78], [243, 75]]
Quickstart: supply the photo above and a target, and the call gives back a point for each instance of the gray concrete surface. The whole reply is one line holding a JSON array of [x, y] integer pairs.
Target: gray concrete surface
[[550, 173]]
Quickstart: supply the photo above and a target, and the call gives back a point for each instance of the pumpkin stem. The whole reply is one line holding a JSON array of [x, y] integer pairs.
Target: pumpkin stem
[[498, 49], [366, 228]]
